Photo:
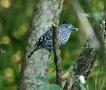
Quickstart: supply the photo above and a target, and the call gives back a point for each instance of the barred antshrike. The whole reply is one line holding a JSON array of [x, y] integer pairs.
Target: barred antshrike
[[46, 40]]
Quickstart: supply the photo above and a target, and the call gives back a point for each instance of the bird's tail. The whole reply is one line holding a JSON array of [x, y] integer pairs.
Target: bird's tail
[[35, 48]]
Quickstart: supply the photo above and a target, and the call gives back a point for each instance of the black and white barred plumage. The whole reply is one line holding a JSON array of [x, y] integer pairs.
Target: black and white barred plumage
[[46, 40]]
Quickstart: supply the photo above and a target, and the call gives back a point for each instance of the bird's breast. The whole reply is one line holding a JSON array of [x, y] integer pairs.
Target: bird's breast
[[63, 38]]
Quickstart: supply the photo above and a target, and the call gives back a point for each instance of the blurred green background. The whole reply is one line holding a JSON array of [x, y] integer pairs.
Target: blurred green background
[[15, 19]]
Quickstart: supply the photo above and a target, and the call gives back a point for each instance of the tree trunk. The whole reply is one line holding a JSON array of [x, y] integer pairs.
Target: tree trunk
[[46, 13]]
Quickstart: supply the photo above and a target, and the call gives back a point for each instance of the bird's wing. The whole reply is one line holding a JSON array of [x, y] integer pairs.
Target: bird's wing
[[46, 40]]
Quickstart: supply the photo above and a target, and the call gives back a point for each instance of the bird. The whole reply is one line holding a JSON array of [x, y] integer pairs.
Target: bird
[[46, 40]]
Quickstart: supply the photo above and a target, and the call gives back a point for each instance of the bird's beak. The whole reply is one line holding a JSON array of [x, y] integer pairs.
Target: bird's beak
[[75, 29]]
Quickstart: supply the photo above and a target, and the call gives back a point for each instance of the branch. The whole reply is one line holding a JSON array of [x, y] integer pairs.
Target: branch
[[57, 57], [89, 31]]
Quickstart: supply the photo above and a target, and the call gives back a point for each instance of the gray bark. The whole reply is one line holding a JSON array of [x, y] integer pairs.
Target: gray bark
[[89, 31], [46, 14]]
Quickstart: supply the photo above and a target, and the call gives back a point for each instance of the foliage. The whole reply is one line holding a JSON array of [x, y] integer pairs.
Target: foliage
[[45, 84]]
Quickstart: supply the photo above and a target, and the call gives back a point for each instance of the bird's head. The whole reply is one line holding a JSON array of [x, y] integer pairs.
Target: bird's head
[[69, 27]]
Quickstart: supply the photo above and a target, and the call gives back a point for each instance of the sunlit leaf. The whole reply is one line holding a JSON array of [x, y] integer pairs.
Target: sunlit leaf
[[5, 3], [6, 40]]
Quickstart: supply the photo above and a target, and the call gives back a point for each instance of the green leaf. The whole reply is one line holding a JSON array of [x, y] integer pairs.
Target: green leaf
[[50, 87], [45, 87], [82, 86], [42, 79], [55, 87]]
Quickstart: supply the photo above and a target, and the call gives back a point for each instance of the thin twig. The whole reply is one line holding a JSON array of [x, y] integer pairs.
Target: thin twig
[[68, 85], [57, 58]]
